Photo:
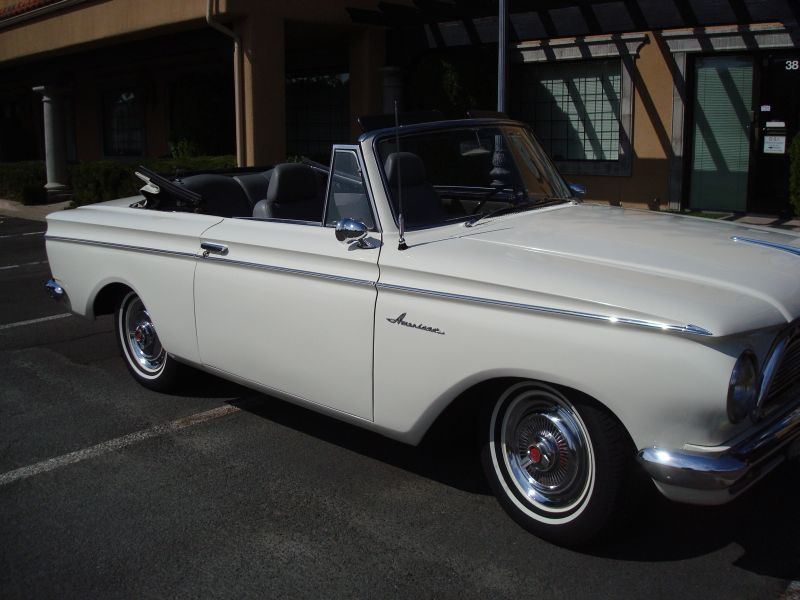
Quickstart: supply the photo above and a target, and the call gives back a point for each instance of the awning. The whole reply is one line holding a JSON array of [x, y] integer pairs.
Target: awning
[[450, 23]]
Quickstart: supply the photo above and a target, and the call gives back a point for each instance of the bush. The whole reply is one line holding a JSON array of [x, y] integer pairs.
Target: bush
[[102, 180], [106, 180], [184, 148], [187, 164], [17, 176], [794, 174]]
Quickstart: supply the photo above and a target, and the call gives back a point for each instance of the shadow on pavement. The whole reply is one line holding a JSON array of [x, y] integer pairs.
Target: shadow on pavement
[[764, 521]]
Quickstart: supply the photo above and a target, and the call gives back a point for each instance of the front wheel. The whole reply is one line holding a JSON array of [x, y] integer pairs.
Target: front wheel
[[145, 357], [555, 465]]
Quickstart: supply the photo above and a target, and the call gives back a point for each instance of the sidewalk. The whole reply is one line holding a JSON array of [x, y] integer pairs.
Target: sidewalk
[[765, 220], [9, 208]]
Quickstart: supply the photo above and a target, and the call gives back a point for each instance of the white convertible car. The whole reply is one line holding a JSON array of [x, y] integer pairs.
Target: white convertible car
[[448, 262]]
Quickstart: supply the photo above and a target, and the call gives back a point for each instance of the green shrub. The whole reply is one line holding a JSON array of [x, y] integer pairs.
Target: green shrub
[[187, 164], [98, 181], [102, 180], [184, 148], [106, 180], [794, 174], [17, 176]]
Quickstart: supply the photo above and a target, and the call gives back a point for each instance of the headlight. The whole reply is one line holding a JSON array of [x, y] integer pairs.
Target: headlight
[[743, 388]]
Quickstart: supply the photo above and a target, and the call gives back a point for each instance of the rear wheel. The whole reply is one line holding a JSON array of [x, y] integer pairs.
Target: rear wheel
[[146, 359], [556, 464]]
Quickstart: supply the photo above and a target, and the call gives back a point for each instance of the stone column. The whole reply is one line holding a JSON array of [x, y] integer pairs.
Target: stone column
[[54, 141]]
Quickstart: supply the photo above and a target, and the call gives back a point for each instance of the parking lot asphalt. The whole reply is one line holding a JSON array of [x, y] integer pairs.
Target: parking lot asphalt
[[109, 490]]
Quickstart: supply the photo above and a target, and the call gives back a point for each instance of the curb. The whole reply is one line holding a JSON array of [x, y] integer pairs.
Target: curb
[[39, 212]]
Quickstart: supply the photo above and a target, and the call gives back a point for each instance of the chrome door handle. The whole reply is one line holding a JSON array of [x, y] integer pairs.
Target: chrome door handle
[[211, 247]]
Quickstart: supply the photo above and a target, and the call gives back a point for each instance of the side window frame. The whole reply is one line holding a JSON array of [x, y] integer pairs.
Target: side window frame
[[356, 150]]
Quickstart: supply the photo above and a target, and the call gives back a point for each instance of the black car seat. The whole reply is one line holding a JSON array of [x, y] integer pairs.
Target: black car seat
[[255, 186], [294, 194], [221, 195], [421, 203]]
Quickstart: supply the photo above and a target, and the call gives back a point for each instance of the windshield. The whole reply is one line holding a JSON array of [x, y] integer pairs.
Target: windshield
[[466, 173]]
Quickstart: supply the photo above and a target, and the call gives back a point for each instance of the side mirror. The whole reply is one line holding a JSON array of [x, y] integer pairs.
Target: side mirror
[[350, 230], [577, 189]]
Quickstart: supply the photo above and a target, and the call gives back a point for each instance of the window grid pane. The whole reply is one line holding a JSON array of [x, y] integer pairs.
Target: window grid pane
[[574, 108], [123, 123], [317, 114]]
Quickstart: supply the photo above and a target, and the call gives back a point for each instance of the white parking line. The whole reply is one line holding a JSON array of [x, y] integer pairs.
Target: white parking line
[[13, 235], [30, 264], [34, 321], [115, 444]]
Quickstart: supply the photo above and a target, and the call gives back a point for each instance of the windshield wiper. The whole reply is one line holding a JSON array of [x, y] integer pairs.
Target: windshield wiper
[[519, 206]]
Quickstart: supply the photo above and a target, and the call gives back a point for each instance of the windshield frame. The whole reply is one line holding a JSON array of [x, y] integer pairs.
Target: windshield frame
[[373, 139]]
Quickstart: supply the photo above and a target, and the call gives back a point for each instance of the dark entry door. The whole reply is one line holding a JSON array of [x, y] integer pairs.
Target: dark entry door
[[721, 132], [777, 115]]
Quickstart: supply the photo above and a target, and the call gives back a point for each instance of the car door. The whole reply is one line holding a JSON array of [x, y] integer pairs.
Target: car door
[[283, 304]]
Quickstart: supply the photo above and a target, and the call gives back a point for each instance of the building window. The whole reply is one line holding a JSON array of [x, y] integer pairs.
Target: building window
[[123, 123], [317, 114], [574, 108]]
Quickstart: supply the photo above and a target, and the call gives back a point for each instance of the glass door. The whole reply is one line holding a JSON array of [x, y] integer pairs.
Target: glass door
[[721, 133]]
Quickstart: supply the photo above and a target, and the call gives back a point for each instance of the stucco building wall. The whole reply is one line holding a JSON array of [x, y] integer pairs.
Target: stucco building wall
[[648, 182]]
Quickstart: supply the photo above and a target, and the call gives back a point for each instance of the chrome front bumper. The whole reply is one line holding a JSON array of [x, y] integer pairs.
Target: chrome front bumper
[[720, 475]]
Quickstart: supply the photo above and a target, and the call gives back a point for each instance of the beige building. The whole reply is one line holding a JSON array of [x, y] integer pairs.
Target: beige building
[[671, 103]]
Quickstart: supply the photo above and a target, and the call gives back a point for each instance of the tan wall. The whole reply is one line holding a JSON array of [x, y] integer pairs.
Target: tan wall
[[95, 22], [367, 56], [98, 22], [652, 132], [261, 25], [263, 40]]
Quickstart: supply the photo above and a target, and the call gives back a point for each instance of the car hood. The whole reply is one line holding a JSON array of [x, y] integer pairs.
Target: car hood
[[620, 263]]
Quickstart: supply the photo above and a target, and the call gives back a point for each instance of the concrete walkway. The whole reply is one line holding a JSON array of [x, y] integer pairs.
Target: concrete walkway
[[9, 208], [766, 221]]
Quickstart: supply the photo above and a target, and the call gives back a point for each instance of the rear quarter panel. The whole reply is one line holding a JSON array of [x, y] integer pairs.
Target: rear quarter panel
[[153, 253]]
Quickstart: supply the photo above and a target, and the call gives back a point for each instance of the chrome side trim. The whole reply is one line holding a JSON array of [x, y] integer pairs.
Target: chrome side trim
[[790, 249], [121, 246], [290, 271], [239, 263], [671, 327]]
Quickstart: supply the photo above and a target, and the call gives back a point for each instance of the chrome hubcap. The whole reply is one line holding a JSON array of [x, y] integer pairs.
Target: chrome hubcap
[[544, 437], [543, 453], [546, 450], [142, 340]]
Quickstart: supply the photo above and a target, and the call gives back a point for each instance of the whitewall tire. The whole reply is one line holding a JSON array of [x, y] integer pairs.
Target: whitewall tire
[[556, 464], [146, 359]]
